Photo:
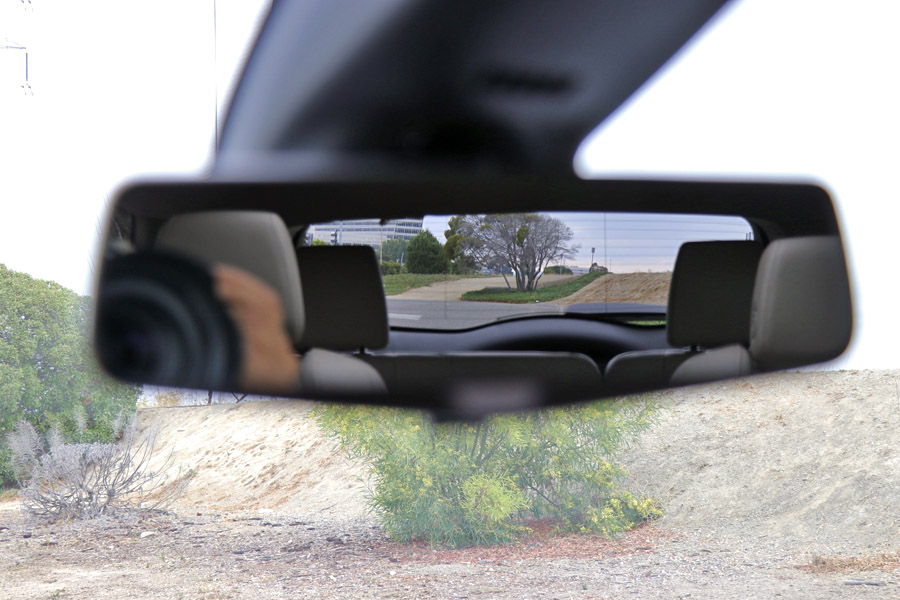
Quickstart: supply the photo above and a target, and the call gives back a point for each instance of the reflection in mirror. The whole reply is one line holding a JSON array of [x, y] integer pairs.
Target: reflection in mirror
[[247, 288], [513, 265]]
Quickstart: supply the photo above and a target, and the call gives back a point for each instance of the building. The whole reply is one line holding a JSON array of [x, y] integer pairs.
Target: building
[[365, 232]]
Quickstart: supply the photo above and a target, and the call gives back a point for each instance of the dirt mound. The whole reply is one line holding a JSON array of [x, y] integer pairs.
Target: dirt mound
[[804, 461], [808, 461], [778, 486], [639, 288], [256, 455]]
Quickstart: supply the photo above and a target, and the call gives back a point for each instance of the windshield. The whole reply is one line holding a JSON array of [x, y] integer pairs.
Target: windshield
[[461, 271]]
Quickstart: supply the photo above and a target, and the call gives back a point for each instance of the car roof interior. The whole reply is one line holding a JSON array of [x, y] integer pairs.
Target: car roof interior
[[413, 86]]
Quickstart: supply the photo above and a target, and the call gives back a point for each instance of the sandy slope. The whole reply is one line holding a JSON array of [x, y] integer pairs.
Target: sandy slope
[[256, 455], [779, 486], [640, 288], [809, 459]]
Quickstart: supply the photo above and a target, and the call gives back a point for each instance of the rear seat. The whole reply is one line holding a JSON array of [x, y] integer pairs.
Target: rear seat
[[801, 313], [346, 310], [709, 307], [259, 242]]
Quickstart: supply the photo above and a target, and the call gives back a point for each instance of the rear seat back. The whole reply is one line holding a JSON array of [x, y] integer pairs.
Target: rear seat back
[[412, 372], [342, 285], [344, 298], [255, 241], [709, 306], [259, 242], [800, 315], [802, 310]]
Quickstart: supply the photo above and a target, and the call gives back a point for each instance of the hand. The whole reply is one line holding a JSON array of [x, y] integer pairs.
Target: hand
[[269, 363]]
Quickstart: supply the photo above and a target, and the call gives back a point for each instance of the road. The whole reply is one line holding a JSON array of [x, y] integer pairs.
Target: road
[[438, 306], [457, 314], [452, 290]]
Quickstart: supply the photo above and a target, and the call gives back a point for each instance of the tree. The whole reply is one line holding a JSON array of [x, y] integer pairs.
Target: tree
[[460, 263], [47, 372], [424, 254], [525, 243], [393, 250]]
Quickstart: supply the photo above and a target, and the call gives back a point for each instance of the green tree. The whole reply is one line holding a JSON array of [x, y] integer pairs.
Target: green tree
[[320, 243], [393, 250], [47, 372], [463, 483], [424, 254], [460, 262]]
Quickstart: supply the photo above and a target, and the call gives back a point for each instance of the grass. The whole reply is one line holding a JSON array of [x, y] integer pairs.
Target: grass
[[544, 294], [397, 284]]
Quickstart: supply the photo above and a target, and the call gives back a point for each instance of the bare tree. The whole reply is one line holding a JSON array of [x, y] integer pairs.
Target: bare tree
[[524, 243]]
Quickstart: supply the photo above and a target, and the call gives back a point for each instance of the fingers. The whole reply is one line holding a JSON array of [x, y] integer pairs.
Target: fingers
[[244, 291]]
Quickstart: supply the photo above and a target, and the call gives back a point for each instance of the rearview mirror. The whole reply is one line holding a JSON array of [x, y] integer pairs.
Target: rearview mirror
[[296, 289]]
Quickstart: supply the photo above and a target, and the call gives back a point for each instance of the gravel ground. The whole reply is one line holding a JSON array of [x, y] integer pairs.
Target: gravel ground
[[268, 555], [781, 486]]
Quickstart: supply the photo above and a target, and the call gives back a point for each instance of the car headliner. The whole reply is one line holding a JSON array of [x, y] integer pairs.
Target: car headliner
[[339, 86]]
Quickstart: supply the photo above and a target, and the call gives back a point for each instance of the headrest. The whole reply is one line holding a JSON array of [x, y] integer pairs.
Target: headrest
[[344, 298], [258, 242], [801, 305], [711, 293]]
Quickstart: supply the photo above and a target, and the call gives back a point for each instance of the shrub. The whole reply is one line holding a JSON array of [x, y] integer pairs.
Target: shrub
[[389, 267], [558, 270], [424, 254], [48, 375], [544, 294], [459, 483], [61, 480]]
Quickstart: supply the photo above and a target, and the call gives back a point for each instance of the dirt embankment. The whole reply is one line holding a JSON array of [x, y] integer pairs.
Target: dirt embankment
[[803, 461], [256, 455], [777, 486], [809, 459], [639, 288]]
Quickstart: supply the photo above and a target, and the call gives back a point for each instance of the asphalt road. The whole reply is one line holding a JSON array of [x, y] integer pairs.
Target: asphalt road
[[457, 314]]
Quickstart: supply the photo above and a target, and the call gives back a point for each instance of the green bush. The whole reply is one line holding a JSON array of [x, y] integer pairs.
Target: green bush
[[548, 293], [558, 270], [424, 254], [458, 484], [47, 371], [389, 267]]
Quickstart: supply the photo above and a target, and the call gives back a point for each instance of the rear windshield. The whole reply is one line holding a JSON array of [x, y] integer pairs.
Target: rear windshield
[[463, 271]]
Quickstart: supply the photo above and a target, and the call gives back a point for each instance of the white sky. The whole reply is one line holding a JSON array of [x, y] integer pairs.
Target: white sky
[[120, 88], [780, 88], [629, 242]]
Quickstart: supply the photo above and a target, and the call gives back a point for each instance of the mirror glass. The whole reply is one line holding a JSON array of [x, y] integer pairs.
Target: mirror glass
[[517, 265], [500, 296]]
